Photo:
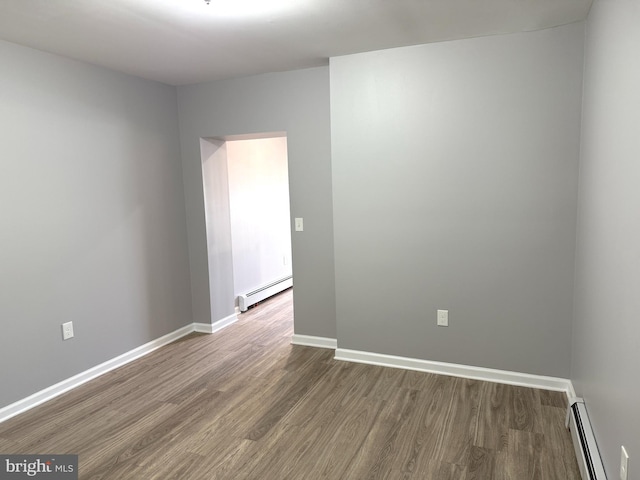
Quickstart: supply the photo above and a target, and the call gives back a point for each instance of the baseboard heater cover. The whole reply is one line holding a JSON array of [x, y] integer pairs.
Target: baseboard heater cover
[[584, 441], [247, 299]]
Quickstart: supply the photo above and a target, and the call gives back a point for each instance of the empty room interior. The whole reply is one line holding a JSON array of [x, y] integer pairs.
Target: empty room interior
[[320, 239]]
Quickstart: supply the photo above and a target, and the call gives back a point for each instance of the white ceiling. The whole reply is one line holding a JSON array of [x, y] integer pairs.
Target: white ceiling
[[186, 41]]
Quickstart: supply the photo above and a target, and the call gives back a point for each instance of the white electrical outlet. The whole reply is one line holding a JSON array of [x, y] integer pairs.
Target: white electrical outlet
[[624, 463], [443, 318], [67, 330]]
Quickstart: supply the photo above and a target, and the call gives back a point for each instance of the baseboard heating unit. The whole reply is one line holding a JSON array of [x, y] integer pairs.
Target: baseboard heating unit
[[584, 441], [247, 299]]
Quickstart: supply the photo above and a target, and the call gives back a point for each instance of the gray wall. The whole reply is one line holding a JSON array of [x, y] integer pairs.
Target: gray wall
[[298, 103], [454, 187], [218, 223], [606, 329], [93, 218]]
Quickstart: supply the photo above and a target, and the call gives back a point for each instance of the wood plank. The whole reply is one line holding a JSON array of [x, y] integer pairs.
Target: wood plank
[[377, 448], [493, 419], [524, 413], [482, 464], [461, 421], [388, 441], [349, 433], [450, 471], [286, 394], [424, 440], [522, 459]]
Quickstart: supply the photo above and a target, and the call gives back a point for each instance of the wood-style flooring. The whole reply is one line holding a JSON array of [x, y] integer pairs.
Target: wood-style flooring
[[245, 404]]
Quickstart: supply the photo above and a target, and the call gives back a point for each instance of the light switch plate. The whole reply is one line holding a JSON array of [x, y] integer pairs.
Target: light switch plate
[[67, 330], [443, 318], [299, 224]]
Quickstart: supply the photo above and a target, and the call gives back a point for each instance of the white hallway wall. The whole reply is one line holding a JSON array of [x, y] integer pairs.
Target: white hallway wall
[[259, 212]]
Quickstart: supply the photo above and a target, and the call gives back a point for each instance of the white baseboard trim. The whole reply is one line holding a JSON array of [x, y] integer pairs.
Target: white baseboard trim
[[311, 341], [215, 326], [455, 370], [64, 386]]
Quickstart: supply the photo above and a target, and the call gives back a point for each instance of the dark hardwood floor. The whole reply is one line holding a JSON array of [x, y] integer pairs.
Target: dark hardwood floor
[[245, 404]]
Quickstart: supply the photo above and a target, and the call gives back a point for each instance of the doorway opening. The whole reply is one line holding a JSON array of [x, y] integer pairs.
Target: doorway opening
[[248, 221], [259, 213]]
